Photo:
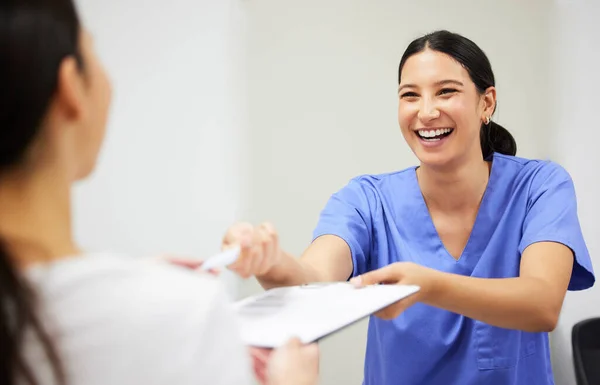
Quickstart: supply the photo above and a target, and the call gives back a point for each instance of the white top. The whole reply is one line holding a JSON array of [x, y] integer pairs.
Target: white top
[[123, 322]]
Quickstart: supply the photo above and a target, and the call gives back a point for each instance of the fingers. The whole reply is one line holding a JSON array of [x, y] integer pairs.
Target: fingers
[[310, 351], [260, 359], [252, 254], [188, 263], [237, 233], [390, 312], [215, 272], [293, 343], [270, 234], [241, 235], [270, 245], [259, 248], [260, 354], [243, 264], [387, 274], [294, 361], [260, 373], [394, 310]]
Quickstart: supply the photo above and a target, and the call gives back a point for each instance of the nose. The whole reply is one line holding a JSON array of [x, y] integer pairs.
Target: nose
[[428, 111]]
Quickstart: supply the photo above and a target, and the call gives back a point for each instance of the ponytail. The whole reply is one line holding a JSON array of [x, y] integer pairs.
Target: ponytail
[[495, 138], [18, 317]]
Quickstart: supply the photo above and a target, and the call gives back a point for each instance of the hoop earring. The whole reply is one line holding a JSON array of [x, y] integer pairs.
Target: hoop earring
[[487, 120]]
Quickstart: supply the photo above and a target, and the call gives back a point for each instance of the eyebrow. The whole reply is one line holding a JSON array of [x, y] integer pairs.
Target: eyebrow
[[437, 84]]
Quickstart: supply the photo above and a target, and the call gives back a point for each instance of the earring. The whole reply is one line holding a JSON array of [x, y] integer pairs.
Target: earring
[[487, 120]]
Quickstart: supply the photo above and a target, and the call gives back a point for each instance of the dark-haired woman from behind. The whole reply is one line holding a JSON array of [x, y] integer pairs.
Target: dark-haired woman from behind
[[69, 317], [492, 239]]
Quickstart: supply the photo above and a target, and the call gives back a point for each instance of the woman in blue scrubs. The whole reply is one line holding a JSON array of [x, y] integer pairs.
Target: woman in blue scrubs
[[493, 240]]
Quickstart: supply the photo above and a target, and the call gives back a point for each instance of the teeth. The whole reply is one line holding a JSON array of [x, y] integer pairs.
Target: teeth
[[433, 133]]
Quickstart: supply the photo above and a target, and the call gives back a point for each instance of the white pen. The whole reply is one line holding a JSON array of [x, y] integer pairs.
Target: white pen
[[221, 260]]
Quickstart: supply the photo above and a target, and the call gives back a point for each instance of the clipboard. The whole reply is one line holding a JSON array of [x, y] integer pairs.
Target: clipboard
[[311, 312]]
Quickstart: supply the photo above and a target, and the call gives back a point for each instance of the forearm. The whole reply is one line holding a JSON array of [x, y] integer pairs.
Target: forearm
[[514, 303], [327, 259], [289, 271]]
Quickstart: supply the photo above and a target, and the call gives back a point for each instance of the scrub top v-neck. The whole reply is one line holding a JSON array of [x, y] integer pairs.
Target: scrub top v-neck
[[426, 230], [384, 219]]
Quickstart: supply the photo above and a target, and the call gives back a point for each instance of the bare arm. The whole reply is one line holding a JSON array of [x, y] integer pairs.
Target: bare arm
[[531, 302], [327, 259]]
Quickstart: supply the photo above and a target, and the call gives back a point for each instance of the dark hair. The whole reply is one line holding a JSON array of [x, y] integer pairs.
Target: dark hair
[[35, 37], [494, 137]]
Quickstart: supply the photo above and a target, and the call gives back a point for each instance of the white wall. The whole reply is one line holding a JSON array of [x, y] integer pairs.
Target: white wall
[[169, 177], [322, 105], [575, 92], [182, 160]]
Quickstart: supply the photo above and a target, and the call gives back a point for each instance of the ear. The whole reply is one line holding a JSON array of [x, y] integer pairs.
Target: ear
[[489, 102], [68, 103]]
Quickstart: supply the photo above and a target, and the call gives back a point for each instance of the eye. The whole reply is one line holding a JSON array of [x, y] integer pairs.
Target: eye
[[409, 95], [447, 91]]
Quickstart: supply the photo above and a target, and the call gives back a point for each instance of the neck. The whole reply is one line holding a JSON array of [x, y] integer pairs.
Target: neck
[[457, 190], [35, 216]]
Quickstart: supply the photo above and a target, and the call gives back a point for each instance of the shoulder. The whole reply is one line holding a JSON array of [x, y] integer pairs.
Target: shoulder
[[380, 183], [96, 293], [124, 290], [383, 178], [535, 173], [120, 280], [366, 192], [109, 309]]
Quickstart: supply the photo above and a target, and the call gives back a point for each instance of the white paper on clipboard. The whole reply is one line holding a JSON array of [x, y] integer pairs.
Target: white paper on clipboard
[[311, 312]]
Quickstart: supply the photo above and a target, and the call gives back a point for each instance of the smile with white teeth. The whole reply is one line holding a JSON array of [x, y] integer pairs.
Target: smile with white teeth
[[433, 135]]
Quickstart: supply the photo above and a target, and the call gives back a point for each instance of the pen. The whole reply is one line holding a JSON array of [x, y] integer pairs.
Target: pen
[[222, 259]]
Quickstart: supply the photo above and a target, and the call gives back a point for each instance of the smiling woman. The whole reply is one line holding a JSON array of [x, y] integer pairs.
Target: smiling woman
[[446, 75], [493, 240]]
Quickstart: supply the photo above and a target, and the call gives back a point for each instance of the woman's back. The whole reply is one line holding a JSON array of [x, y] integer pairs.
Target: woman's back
[[120, 321]]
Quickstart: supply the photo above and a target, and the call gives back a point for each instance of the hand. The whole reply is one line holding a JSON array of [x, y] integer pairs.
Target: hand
[[401, 273], [260, 249], [260, 359], [294, 364]]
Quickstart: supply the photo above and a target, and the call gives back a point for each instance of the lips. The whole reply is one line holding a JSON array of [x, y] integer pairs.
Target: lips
[[434, 134]]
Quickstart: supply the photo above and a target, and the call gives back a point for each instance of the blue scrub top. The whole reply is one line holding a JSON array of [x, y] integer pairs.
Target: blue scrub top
[[384, 219]]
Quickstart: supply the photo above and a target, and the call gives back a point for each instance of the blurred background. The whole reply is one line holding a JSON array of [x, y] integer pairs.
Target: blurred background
[[256, 110]]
